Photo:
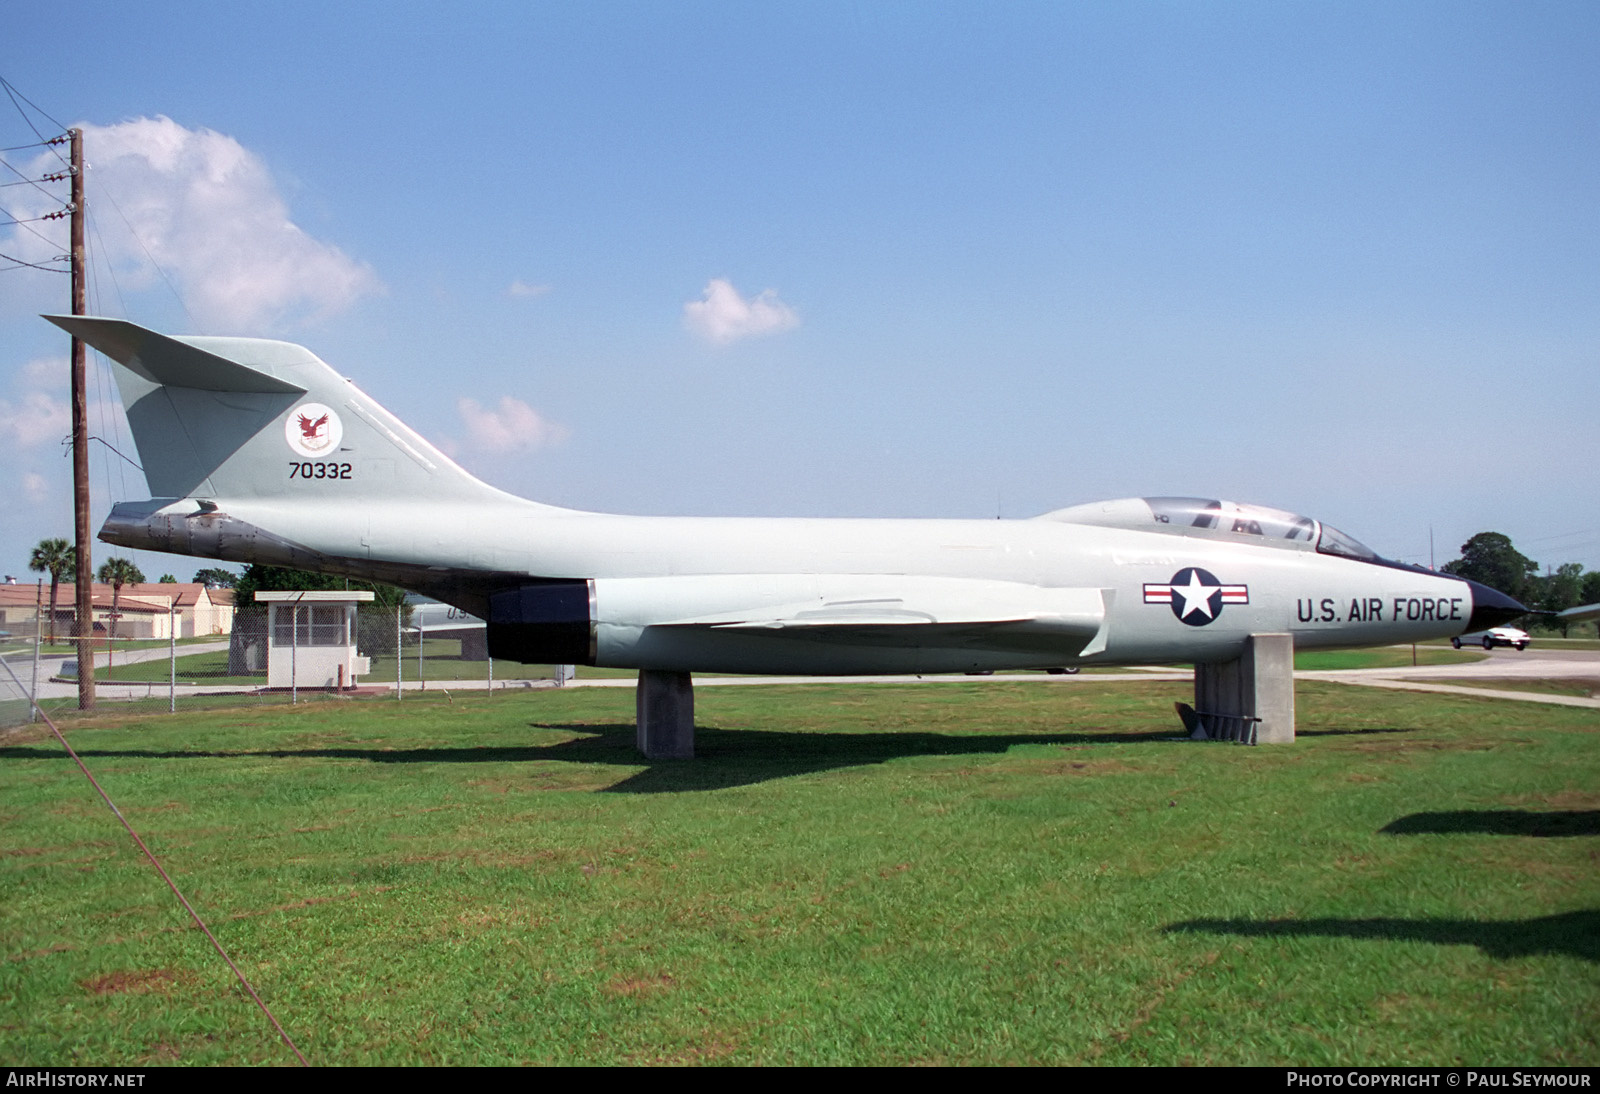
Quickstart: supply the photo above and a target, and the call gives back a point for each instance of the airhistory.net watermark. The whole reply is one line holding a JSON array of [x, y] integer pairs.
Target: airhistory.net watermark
[[57, 1077]]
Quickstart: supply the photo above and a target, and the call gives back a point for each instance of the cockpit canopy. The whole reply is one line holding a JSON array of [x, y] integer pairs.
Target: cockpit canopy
[[1210, 518]]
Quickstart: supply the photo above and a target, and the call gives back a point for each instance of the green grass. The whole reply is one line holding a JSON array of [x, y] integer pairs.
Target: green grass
[[194, 668], [1584, 687], [1382, 657], [846, 875], [1556, 642], [442, 661]]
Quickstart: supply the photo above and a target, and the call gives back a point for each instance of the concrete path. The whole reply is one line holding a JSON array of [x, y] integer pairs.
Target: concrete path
[[1502, 664], [1476, 693], [50, 667]]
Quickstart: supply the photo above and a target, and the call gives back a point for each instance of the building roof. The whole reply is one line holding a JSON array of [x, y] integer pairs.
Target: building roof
[[142, 596]]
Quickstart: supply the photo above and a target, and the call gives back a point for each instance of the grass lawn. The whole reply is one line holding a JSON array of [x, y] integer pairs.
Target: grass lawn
[[442, 661], [846, 875], [1383, 657], [1584, 687]]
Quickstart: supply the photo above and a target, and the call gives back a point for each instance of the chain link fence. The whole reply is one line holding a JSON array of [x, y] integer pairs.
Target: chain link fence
[[378, 654]]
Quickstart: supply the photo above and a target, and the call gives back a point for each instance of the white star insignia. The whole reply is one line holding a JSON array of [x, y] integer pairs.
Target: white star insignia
[[1196, 596]]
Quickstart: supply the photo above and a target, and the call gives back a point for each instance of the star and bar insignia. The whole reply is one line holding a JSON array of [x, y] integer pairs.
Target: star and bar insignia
[[1196, 595]]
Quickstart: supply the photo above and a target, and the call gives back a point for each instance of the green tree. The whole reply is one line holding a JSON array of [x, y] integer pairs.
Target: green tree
[[58, 558], [1490, 559], [118, 572], [1591, 588], [166, 579], [1560, 591], [216, 578]]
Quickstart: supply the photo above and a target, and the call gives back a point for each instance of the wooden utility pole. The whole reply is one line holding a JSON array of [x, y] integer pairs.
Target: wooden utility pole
[[83, 627]]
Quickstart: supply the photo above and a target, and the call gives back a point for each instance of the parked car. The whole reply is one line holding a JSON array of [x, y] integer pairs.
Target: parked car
[[1494, 636]]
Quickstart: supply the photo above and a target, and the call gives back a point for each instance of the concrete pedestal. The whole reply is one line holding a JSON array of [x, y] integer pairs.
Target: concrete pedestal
[[1259, 685], [665, 706]]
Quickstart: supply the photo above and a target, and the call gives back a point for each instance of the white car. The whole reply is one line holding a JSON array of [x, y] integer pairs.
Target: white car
[[1494, 636]]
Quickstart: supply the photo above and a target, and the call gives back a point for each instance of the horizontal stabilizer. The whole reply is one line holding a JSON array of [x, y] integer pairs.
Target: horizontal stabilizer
[[164, 360]]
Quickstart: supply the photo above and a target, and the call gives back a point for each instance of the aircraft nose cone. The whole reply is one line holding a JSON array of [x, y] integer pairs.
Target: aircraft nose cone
[[1491, 607]]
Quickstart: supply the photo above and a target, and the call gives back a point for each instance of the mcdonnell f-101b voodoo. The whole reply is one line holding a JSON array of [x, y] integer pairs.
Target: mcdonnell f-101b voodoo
[[258, 452]]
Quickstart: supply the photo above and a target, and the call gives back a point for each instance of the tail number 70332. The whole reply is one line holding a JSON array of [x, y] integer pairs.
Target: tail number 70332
[[319, 470]]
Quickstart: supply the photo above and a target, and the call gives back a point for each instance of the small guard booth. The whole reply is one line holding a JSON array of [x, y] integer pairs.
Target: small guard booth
[[311, 639]]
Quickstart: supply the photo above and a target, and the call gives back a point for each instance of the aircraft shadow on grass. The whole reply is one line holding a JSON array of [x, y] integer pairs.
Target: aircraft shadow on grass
[[723, 757], [1499, 822], [1571, 934]]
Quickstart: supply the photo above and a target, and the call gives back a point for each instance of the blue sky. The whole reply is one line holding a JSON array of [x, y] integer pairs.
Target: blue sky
[[863, 259]]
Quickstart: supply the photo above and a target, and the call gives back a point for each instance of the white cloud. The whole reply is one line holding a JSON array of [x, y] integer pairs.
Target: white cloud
[[34, 487], [38, 419], [512, 426], [522, 288], [723, 316], [46, 372], [207, 210]]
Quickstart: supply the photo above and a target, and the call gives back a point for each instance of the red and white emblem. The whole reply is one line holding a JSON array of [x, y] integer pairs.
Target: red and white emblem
[[313, 430]]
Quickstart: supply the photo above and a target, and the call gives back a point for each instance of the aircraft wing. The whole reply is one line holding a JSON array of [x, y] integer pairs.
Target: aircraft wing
[[899, 610]]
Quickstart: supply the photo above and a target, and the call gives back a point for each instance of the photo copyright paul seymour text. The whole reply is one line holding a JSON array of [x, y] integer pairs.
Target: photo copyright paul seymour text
[[1454, 1078]]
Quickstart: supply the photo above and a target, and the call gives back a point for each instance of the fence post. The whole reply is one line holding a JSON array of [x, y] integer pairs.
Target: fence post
[[399, 659], [172, 660], [33, 691], [490, 659]]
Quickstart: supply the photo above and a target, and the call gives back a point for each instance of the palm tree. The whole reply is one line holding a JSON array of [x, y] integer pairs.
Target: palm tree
[[58, 558], [118, 572]]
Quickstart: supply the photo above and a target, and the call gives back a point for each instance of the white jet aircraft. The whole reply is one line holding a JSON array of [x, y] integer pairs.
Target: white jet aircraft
[[258, 452]]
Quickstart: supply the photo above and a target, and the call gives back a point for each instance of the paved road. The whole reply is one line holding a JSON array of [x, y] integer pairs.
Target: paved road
[[1502, 664], [49, 667]]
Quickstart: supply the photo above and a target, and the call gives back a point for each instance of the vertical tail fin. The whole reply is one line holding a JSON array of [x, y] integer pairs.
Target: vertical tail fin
[[248, 419]]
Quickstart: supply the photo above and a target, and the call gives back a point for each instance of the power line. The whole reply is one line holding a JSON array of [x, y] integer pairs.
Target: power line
[[29, 220], [23, 182], [1563, 535], [51, 143], [163, 872], [111, 271], [31, 265], [140, 240], [13, 94], [24, 222], [26, 181]]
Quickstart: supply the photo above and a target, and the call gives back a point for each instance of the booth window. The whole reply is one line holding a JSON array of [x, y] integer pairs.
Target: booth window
[[312, 625]]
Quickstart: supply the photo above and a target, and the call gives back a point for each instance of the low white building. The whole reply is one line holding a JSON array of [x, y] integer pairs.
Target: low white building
[[146, 609], [311, 639]]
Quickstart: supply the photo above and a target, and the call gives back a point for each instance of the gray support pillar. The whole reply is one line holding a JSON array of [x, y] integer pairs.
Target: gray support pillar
[[665, 712], [1258, 685], [1269, 666]]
